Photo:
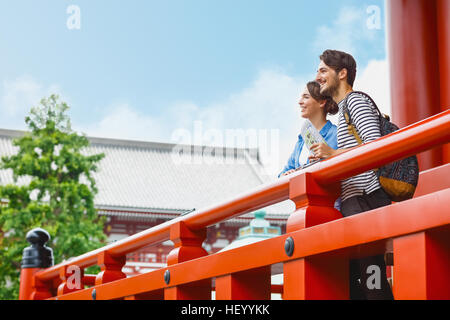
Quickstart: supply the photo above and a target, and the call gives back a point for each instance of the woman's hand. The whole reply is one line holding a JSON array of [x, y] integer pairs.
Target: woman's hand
[[321, 151]]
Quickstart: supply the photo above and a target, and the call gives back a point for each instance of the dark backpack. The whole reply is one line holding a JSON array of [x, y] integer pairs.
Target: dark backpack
[[398, 179]]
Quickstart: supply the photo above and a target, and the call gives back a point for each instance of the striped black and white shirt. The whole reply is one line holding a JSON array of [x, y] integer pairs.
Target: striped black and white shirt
[[366, 121]]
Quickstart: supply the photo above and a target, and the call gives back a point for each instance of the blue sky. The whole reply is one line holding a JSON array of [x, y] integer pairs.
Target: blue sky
[[143, 69]]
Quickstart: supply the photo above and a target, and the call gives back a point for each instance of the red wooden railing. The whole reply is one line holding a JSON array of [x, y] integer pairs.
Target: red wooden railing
[[416, 230]]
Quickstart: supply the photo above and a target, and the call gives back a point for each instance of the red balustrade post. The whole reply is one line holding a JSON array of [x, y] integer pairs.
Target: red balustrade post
[[314, 203], [187, 246], [324, 277], [421, 266], [254, 284], [111, 268]]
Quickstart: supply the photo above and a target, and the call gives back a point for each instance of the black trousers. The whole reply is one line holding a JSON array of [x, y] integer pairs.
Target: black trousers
[[363, 270]]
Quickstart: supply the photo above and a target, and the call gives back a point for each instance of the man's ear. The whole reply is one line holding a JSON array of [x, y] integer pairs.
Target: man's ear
[[342, 74]]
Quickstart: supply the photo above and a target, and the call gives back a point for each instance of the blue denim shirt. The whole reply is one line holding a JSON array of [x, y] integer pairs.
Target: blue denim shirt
[[328, 132]]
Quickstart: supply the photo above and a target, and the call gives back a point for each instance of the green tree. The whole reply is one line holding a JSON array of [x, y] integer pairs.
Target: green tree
[[53, 189]]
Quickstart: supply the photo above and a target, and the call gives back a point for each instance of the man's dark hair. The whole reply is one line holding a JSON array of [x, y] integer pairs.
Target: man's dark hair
[[339, 60]]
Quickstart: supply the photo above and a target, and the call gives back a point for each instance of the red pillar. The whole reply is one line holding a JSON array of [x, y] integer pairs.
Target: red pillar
[[443, 23], [414, 65]]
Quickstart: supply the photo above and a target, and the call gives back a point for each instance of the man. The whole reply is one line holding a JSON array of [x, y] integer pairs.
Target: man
[[336, 74]]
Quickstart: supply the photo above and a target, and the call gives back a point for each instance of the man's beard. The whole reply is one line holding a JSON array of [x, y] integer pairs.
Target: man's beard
[[332, 89]]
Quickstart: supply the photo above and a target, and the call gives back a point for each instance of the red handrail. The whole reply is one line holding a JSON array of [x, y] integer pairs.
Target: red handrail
[[413, 139], [340, 237]]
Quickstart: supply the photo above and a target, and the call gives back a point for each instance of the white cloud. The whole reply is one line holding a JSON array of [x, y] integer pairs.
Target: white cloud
[[18, 97], [269, 103], [124, 122], [374, 80], [345, 32]]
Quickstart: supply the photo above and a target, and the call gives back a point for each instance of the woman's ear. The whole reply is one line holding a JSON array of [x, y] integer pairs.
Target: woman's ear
[[322, 103]]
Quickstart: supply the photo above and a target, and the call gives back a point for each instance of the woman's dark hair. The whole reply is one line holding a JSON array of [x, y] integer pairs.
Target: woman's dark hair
[[339, 60], [330, 107]]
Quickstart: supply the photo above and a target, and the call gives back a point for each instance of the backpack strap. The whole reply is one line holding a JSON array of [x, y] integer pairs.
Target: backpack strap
[[348, 119], [351, 127], [373, 103]]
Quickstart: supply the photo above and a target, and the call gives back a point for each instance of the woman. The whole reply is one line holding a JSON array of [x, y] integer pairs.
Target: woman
[[314, 107]]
